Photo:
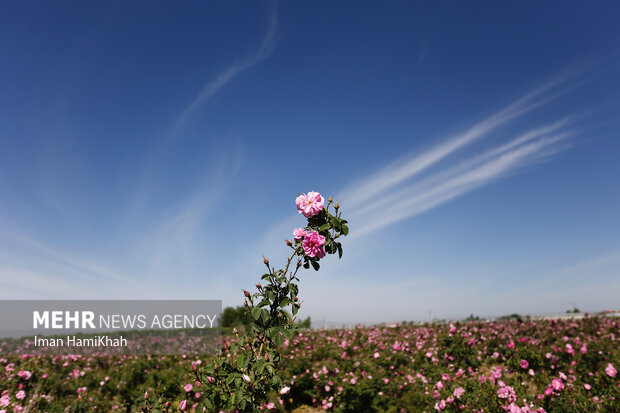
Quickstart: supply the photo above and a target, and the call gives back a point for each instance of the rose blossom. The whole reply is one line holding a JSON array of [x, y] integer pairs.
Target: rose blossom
[[299, 233], [610, 370], [458, 392], [188, 387], [21, 395], [313, 244], [4, 401], [309, 205], [183, 405], [524, 364], [24, 374]]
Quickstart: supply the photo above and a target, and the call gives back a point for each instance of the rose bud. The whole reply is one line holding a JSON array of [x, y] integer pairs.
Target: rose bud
[[235, 330], [266, 261], [193, 366], [247, 294], [289, 243], [295, 299], [330, 199], [336, 205], [298, 305], [267, 356], [258, 286]]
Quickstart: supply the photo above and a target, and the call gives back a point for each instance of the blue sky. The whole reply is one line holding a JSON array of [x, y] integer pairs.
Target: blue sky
[[154, 150]]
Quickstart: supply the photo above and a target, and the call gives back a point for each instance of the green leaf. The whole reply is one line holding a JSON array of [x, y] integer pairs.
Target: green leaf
[[264, 314], [345, 230], [229, 379], [242, 362], [295, 309], [315, 265], [256, 313]]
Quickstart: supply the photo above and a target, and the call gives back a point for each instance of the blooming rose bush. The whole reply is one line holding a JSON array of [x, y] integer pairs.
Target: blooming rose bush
[[246, 373]]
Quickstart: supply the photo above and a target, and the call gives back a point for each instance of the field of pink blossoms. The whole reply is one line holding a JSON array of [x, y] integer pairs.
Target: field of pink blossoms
[[533, 366]]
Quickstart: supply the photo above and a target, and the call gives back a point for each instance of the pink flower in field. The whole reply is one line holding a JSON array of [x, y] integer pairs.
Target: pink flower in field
[[587, 386], [188, 387], [445, 377], [377, 355], [557, 384], [183, 405], [271, 405], [458, 392], [610, 370], [313, 244], [503, 393], [584, 349], [246, 378], [4, 400], [197, 395], [299, 233], [548, 391], [524, 364], [24, 374], [513, 408], [309, 205], [569, 349], [20, 395], [439, 385]]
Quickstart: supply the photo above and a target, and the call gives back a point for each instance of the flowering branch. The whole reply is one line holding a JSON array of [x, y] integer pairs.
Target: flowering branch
[[245, 374]]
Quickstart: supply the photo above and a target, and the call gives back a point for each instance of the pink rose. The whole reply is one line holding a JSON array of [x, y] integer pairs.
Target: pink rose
[[610, 370], [5, 400], [458, 392], [309, 205], [24, 374], [188, 387], [21, 395], [299, 233], [183, 405], [313, 245], [524, 364]]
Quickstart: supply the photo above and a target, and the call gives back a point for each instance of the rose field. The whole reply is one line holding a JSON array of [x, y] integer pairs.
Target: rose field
[[544, 366]]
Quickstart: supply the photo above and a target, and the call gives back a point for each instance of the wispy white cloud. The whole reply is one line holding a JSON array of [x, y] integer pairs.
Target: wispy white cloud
[[400, 171], [263, 52], [400, 190]]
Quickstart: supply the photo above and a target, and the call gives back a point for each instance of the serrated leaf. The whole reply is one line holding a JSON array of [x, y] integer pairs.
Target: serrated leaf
[[256, 313]]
